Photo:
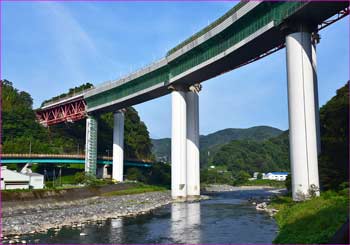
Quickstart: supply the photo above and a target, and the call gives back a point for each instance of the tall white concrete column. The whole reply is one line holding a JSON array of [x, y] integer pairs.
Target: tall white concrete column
[[178, 145], [91, 145], [118, 146], [314, 41], [193, 168], [302, 122]]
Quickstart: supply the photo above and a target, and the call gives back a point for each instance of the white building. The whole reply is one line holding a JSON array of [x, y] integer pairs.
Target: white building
[[36, 181], [280, 176], [11, 179]]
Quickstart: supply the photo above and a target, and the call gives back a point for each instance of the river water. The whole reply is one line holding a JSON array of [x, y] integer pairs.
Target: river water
[[225, 218]]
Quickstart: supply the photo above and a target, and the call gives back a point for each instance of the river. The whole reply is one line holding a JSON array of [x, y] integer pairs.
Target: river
[[225, 218]]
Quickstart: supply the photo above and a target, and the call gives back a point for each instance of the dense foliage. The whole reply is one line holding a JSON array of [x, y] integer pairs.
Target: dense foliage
[[254, 156], [22, 134], [314, 221], [334, 159]]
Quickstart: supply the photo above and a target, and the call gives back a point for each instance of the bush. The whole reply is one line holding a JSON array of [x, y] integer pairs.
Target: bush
[[241, 177], [260, 176], [314, 221], [135, 174], [87, 179], [79, 177]]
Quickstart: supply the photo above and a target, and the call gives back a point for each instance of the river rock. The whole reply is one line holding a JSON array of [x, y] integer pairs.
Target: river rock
[[261, 206]]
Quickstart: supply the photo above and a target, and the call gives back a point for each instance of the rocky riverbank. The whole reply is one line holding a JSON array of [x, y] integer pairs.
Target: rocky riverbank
[[260, 203], [224, 188], [37, 218]]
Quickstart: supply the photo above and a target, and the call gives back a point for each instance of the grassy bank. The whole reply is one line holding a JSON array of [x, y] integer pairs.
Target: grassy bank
[[64, 193], [265, 182], [137, 189], [312, 221]]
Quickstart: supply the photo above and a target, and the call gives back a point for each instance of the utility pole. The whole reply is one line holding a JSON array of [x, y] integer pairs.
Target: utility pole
[[60, 175], [53, 177]]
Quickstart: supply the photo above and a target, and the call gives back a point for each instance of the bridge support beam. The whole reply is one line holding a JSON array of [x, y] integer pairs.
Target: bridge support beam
[[302, 116], [178, 145], [118, 147], [91, 145], [192, 116]]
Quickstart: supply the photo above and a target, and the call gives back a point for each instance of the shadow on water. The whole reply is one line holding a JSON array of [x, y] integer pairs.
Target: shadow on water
[[226, 218]]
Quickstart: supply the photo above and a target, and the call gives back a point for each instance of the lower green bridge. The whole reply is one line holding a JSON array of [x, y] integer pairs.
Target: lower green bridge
[[64, 159]]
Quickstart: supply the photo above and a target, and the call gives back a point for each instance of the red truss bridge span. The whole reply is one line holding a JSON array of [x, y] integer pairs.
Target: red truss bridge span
[[69, 109]]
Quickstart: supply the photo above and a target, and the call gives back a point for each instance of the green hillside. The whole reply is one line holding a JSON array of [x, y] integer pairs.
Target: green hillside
[[334, 158], [254, 156], [209, 144]]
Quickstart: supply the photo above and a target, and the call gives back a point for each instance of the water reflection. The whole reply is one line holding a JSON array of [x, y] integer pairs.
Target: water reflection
[[226, 218], [185, 219], [116, 230]]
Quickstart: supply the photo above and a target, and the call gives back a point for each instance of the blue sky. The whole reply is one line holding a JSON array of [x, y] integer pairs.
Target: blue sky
[[49, 47]]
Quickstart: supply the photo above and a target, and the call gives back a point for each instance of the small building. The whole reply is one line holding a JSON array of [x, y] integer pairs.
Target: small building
[[279, 176], [11, 179], [36, 181]]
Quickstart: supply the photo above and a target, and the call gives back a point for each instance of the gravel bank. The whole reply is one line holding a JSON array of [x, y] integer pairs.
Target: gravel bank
[[36, 218], [223, 188]]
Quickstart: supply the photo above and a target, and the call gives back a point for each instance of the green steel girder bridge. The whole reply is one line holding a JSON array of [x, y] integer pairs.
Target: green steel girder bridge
[[247, 32], [64, 159]]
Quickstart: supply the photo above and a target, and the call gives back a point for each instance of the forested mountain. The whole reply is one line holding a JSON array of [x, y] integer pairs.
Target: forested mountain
[[254, 156], [21, 131], [209, 144]]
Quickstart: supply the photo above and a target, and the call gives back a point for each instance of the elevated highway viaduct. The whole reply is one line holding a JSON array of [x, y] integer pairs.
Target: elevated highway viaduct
[[247, 32]]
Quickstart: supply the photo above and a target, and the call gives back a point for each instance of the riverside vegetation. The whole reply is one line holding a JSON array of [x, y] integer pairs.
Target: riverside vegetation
[[317, 220]]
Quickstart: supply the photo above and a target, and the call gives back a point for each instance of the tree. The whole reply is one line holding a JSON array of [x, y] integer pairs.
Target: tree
[[260, 176], [134, 174], [241, 177], [334, 158]]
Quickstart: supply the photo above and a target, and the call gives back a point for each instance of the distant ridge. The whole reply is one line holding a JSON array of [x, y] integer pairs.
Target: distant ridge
[[210, 143]]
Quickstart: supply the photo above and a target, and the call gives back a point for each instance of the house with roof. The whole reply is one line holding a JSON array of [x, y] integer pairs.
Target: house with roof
[[11, 179], [279, 176]]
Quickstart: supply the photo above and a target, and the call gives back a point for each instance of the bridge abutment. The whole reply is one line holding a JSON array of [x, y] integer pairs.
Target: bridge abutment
[[118, 146], [91, 145], [302, 115]]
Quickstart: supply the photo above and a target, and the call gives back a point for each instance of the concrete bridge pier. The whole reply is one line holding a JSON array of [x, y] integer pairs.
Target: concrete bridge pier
[[91, 145], [302, 115], [118, 146], [178, 144], [315, 39], [102, 172], [192, 116]]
